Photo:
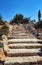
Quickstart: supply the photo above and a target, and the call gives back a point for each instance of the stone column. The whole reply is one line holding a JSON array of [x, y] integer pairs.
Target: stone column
[[5, 41]]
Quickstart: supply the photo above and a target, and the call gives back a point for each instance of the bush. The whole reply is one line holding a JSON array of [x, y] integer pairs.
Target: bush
[[38, 25], [4, 30]]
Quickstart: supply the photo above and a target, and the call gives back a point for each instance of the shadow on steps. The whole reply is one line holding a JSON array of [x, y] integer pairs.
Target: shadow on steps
[[40, 53]]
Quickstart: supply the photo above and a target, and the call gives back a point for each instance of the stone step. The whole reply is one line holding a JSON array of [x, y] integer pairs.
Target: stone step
[[24, 47], [27, 46], [25, 63], [24, 40], [20, 34], [29, 42], [14, 51], [18, 29], [20, 37], [23, 59], [24, 54]]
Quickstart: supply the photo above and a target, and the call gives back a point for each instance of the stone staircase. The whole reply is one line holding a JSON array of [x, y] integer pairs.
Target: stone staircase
[[19, 32], [23, 48]]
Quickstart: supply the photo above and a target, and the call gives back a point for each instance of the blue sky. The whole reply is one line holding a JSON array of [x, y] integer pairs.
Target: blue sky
[[9, 8]]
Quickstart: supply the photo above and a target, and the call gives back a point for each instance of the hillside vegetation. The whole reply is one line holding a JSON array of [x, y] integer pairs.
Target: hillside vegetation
[[3, 28]]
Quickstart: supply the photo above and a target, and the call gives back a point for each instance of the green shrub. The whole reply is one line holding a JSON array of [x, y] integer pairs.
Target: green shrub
[[4, 30]]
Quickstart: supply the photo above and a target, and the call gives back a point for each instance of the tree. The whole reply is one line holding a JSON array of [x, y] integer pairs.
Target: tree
[[4, 30], [17, 19], [39, 15], [1, 21], [33, 21], [26, 20], [20, 19], [38, 25]]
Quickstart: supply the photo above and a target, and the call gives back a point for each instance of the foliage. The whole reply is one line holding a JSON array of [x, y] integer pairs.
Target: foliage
[[38, 25], [33, 21], [39, 15], [1, 21], [26, 20], [4, 30], [19, 19]]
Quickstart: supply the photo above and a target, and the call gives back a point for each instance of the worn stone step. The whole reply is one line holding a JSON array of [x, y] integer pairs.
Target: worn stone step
[[24, 47], [12, 51], [29, 42], [33, 59], [20, 34], [27, 46], [15, 36], [24, 63], [20, 37], [23, 54], [24, 40]]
